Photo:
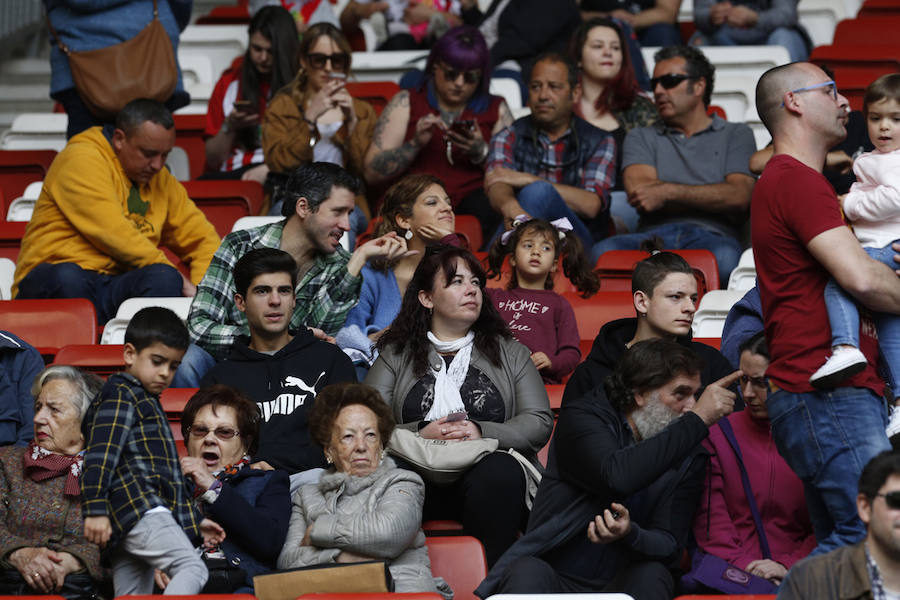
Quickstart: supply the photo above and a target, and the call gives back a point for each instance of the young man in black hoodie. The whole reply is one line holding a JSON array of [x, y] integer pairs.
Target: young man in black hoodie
[[282, 371]]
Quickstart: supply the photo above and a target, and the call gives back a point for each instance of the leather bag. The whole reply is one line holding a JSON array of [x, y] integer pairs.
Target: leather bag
[[439, 461], [108, 78], [352, 578]]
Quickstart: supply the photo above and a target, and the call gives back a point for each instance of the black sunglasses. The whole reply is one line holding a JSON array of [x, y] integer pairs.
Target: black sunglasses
[[223, 433], [892, 499], [669, 80], [757, 382], [318, 60], [470, 77]]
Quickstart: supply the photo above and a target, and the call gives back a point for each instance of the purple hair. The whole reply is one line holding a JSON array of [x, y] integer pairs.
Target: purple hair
[[462, 47]]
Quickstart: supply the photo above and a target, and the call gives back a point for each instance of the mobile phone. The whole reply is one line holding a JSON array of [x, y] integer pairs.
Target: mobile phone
[[457, 416], [243, 105], [463, 126], [337, 75]]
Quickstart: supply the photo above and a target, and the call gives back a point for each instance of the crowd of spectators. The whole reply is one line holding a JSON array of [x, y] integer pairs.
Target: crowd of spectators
[[666, 455]]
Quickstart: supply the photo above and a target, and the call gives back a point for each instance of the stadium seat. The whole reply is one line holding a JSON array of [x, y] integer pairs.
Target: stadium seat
[[820, 17], [375, 596], [96, 358], [555, 394], [743, 277], [865, 58], [224, 202], [386, 66], [544, 452], [442, 527], [50, 324], [470, 227], [250, 222], [225, 15], [18, 168], [173, 401], [44, 597], [114, 331], [593, 313], [712, 311], [189, 597], [7, 271], [189, 136], [221, 43], [460, 560], [615, 266], [879, 8], [714, 342], [870, 31], [36, 131], [376, 93], [11, 239]]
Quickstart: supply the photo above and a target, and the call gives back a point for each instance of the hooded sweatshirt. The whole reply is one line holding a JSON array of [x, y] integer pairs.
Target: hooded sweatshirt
[[284, 386], [609, 347]]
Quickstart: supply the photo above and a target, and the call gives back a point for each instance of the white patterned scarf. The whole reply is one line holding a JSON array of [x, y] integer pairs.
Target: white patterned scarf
[[447, 381]]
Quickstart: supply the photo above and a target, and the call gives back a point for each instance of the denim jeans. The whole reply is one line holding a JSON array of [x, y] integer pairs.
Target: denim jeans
[[788, 37], [106, 292], [194, 365], [843, 315], [679, 236], [541, 200], [827, 438], [660, 34]]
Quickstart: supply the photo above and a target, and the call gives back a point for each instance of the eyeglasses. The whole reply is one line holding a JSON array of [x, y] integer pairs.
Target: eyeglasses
[[451, 74], [669, 80], [892, 499], [223, 433], [824, 84], [757, 382], [338, 60]]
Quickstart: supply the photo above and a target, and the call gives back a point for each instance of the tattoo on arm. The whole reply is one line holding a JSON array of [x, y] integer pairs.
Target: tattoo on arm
[[400, 99], [390, 163]]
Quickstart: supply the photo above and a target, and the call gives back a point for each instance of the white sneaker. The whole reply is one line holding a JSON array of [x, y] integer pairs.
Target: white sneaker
[[893, 427], [843, 363]]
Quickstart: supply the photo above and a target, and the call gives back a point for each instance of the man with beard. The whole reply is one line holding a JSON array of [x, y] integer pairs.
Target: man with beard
[[623, 479], [871, 568], [552, 163]]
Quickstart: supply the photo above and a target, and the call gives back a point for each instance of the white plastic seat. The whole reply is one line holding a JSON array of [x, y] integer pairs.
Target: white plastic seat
[[114, 331], [20, 209], [386, 65], [820, 17], [710, 316], [250, 222], [743, 277], [36, 131], [196, 68], [508, 89], [179, 163], [221, 44], [7, 270]]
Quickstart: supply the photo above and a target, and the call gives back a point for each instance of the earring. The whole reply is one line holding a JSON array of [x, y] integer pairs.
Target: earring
[[328, 459], [642, 315], [409, 234]]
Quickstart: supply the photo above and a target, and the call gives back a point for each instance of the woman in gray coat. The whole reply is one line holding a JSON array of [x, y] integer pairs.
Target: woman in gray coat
[[450, 370], [363, 507]]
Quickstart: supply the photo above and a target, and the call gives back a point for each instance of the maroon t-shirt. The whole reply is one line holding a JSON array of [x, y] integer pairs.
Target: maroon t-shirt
[[791, 205], [462, 177]]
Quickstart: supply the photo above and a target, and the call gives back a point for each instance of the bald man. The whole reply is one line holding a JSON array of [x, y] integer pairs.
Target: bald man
[[800, 241]]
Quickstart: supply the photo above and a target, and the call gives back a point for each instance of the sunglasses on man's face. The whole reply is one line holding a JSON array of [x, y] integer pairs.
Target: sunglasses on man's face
[[470, 77], [338, 60], [892, 499], [669, 80]]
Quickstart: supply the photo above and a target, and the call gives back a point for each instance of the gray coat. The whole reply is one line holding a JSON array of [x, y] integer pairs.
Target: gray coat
[[379, 515], [529, 421]]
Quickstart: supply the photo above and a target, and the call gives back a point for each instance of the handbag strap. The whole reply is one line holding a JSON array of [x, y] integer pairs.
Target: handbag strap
[[725, 426], [65, 48]]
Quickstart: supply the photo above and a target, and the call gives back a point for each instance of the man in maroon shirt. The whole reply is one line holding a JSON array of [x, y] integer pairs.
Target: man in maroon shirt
[[800, 241]]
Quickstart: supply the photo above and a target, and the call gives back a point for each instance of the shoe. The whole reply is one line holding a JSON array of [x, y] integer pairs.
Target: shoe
[[893, 427], [844, 362]]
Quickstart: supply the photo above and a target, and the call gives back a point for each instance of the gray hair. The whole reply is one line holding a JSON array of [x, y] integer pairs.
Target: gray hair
[[87, 385]]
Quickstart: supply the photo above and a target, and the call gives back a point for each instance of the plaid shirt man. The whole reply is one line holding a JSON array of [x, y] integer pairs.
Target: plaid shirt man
[[131, 464], [325, 293]]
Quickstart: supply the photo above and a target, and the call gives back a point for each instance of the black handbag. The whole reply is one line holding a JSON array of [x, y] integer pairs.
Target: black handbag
[[76, 586], [224, 576]]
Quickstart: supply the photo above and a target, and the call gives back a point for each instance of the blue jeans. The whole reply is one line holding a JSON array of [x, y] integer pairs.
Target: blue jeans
[[541, 200], [788, 37], [843, 316], [660, 34], [194, 365], [827, 438], [106, 292], [679, 236]]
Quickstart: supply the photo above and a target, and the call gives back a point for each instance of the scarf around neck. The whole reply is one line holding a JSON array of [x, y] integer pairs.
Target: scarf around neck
[[447, 381], [40, 464]]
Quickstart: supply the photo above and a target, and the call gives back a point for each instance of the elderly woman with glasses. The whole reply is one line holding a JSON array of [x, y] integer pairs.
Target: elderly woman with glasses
[[443, 127], [724, 525], [221, 430]]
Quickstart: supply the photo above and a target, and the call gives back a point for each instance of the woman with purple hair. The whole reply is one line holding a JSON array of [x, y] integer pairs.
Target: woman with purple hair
[[443, 127]]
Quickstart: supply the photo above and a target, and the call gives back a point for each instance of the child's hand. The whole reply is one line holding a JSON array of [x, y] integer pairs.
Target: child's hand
[[212, 533], [541, 361], [97, 530]]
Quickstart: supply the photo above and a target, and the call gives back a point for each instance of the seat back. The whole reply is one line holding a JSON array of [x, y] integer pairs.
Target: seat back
[[471, 228], [871, 31], [189, 137], [709, 320], [114, 330], [376, 93], [224, 202], [102, 360], [460, 560], [50, 324], [615, 267], [11, 235], [593, 313], [251, 222], [18, 168]]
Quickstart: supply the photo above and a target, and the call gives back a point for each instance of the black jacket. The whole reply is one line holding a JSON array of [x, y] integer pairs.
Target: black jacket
[[607, 351], [284, 386]]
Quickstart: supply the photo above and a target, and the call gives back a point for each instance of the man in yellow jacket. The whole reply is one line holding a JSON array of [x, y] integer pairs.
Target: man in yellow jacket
[[106, 206]]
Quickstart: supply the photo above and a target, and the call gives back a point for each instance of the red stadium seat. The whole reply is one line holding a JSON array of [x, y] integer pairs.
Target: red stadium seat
[[615, 266], [174, 399], [376, 93], [879, 8], [225, 15], [104, 360], [442, 527], [11, 235], [189, 136], [555, 394], [50, 324], [470, 227], [374, 596], [189, 597], [868, 31], [18, 168], [460, 560], [714, 342], [593, 313], [224, 202], [544, 452], [45, 597], [866, 58]]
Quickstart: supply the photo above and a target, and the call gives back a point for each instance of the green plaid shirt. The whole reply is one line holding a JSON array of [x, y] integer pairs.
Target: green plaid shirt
[[325, 294]]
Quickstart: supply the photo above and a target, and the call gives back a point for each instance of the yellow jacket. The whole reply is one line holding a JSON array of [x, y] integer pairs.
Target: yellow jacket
[[83, 216]]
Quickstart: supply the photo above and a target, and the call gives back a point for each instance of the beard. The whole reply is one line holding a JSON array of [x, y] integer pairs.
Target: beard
[[652, 418]]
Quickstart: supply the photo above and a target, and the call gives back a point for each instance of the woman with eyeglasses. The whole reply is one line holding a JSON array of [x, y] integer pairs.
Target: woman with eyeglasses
[[314, 118], [221, 431], [444, 126], [724, 525], [609, 97]]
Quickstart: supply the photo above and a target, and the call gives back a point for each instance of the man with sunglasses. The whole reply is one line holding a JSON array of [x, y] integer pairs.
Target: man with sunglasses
[[279, 369], [800, 241], [870, 569], [553, 164], [689, 175]]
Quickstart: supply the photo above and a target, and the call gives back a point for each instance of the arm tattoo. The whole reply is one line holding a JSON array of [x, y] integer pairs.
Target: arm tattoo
[[400, 99], [390, 163]]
